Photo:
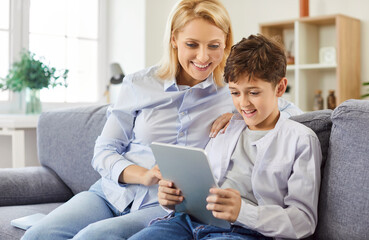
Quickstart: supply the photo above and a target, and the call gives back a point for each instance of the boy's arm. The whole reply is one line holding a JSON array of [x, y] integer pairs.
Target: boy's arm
[[299, 217]]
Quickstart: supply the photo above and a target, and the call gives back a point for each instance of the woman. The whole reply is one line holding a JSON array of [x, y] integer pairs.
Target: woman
[[175, 102]]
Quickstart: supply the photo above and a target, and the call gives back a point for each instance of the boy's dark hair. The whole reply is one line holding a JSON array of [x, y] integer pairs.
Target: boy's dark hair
[[256, 56]]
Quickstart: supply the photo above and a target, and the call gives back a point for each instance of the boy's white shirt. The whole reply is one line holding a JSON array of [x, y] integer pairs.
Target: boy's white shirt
[[285, 179]]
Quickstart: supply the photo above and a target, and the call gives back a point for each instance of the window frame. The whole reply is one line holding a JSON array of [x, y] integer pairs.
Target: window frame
[[19, 39], [8, 30]]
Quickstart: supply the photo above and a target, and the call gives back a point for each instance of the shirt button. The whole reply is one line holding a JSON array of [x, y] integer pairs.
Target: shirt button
[[181, 134], [182, 113]]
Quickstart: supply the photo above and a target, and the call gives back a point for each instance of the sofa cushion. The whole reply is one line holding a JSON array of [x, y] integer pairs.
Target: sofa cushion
[[66, 140], [344, 195], [30, 185], [7, 231], [320, 122]]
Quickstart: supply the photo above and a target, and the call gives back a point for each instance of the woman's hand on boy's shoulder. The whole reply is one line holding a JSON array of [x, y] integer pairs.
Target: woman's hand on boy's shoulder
[[224, 203], [220, 124]]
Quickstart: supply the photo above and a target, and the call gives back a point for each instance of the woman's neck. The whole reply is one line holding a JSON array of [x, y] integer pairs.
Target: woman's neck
[[184, 78]]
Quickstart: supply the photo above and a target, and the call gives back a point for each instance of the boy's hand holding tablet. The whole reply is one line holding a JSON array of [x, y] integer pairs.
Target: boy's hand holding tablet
[[224, 203]]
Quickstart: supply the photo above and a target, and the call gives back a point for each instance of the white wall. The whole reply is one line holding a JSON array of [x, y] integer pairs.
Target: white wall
[[126, 34], [144, 48], [156, 18]]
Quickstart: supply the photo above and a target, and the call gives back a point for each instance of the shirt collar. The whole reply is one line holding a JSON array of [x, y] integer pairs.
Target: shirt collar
[[171, 85], [282, 117]]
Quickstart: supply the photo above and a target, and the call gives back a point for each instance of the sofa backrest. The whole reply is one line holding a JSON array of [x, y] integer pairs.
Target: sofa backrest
[[344, 193], [320, 122], [66, 140]]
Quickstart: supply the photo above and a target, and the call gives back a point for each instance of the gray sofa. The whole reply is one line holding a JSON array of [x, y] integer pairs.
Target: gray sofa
[[65, 147]]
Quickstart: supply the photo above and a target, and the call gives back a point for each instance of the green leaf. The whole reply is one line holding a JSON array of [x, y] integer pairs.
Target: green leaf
[[31, 73]]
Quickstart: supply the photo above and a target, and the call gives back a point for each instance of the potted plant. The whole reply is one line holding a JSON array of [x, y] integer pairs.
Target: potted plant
[[32, 75], [366, 94]]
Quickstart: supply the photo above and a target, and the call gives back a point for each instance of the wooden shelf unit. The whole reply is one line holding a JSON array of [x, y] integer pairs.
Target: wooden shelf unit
[[304, 37]]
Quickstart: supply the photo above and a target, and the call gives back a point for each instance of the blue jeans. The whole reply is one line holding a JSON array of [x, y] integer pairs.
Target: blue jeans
[[181, 227], [88, 215]]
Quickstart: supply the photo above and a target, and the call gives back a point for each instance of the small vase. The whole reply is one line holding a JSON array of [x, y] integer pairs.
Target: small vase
[[33, 103], [318, 101], [304, 8], [331, 100]]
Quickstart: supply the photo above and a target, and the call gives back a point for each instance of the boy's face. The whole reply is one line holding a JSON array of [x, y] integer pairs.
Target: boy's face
[[257, 101]]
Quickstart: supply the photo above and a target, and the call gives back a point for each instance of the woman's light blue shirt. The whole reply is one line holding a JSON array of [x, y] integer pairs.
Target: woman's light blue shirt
[[150, 109]]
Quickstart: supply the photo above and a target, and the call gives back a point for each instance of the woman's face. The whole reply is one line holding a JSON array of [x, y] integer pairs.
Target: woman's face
[[200, 47]]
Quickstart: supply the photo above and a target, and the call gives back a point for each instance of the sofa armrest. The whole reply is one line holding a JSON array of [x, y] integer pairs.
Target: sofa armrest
[[31, 185], [66, 140]]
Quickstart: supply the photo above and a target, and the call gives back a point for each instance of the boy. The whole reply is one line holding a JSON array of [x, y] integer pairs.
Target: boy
[[268, 166]]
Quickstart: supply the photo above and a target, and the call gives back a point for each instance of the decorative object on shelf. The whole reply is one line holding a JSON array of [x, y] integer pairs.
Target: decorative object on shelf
[[304, 8], [117, 76], [32, 75], [331, 100], [327, 55], [318, 100], [366, 94], [290, 57], [287, 94]]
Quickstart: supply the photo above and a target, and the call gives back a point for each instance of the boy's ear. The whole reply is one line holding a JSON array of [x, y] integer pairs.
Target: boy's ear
[[281, 87]]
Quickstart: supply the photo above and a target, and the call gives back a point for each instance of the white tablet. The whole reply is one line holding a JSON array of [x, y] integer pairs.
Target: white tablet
[[188, 168], [27, 221]]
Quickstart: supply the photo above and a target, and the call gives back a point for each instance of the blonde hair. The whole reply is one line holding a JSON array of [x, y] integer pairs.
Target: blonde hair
[[185, 11]]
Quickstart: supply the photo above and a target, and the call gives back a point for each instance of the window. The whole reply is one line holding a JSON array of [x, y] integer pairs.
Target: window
[[68, 34], [65, 32], [4, 43]]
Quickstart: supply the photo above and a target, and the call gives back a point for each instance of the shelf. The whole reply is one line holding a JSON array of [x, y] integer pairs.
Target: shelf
[[304, 38], [291, 67], [317, 66], [314, 66]]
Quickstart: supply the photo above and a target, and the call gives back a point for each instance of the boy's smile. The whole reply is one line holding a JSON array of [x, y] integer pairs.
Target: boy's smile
[[257, 101]]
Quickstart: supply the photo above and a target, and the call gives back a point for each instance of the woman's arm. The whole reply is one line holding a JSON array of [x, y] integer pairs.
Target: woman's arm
[[114, 140], [139, 175], [220, 124]]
